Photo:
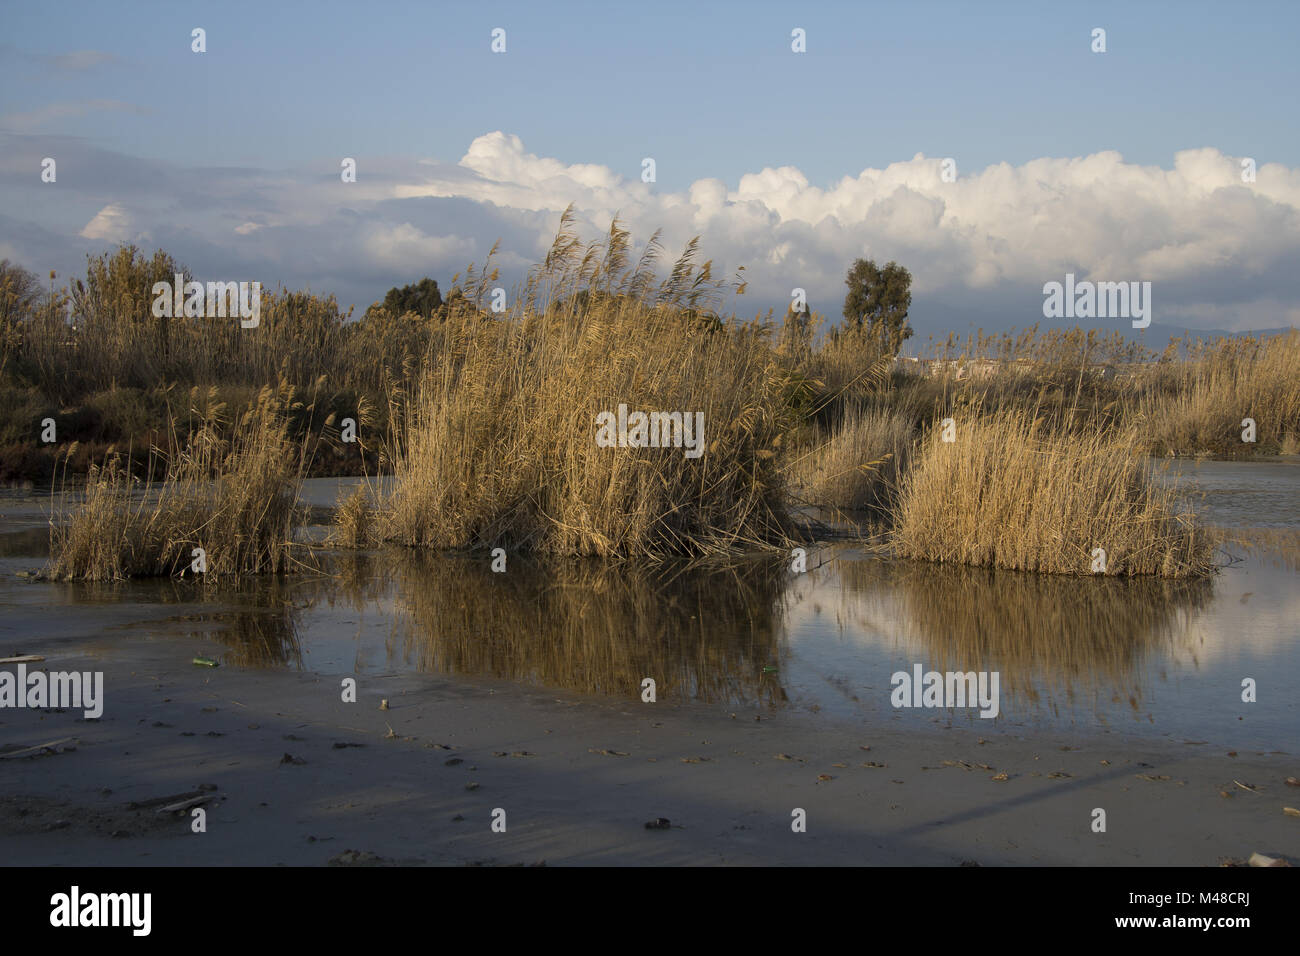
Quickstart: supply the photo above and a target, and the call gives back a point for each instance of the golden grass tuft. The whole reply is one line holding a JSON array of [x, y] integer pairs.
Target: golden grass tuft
[[354, 521], [859, 465], [1007, 494], [236, 500], [1198, 405], [499, 445]]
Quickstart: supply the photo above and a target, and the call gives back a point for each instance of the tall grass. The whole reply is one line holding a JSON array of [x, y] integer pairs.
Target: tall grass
[[1197, 405], [1008, 494], [487, 421], [354, 521], [857, 465], [499, 444], [236, 501]]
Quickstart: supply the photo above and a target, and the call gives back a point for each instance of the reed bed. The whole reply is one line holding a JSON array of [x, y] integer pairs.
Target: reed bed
[[858, 464], [236, 501], [354, 523], [1198, 405], [487, 422], [1009, 494], [499, 446]]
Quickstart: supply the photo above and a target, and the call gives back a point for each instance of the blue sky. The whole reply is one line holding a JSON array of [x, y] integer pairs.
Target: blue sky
[[711, 91]]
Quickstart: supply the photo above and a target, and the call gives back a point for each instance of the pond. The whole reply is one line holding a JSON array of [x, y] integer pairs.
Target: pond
[[1087, 655]]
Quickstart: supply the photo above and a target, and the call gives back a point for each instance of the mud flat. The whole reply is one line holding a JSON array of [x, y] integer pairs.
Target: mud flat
[[293, 775]]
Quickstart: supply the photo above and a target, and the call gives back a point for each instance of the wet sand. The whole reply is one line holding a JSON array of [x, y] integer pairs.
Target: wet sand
[[294, 776], [579, 777]]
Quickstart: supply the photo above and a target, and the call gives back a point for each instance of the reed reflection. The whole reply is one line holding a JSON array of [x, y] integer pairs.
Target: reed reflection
[[1052, 638], [699, 632]]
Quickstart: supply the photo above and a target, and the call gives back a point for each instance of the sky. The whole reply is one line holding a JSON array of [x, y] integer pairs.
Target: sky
[[1123, 165]]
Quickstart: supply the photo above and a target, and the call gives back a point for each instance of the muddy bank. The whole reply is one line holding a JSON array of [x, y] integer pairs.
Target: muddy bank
[[293, 775]]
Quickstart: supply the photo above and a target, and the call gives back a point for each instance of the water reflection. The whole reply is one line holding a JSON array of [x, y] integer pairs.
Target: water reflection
[[1050, 637], [261, 622], [1158, 656], [1162, 656], [699, 632], [745, 634]]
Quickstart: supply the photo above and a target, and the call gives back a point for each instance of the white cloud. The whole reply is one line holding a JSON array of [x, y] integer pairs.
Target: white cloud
[[1219, 253], [112, 223], [1096, 216], [404, 248]]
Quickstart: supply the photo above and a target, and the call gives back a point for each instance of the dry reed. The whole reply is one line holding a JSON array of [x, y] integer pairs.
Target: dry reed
[[499, 445], [236, 501], [1008, 494]]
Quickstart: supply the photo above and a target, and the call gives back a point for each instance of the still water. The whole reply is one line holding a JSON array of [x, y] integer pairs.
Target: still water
[[1082, 655]]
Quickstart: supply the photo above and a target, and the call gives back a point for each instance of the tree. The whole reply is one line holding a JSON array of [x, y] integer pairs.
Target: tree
[[20, 295], [878, 301], [422, 298], [20, 292]]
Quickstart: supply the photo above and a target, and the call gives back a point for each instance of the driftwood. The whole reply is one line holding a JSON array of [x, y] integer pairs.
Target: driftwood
[[162, 801], [186, 804], [28, 751]]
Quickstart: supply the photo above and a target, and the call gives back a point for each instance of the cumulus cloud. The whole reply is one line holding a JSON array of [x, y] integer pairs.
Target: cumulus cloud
[[997, 234], [405, 248], [112, 223], [1217, 250]]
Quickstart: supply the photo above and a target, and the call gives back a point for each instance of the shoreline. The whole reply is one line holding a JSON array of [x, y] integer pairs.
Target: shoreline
[[579, 777]]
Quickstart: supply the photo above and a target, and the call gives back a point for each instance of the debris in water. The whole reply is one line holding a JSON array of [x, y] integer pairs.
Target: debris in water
[[39, 748]]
